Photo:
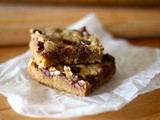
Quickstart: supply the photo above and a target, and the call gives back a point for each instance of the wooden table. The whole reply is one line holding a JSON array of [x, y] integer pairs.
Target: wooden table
[[144, 107]]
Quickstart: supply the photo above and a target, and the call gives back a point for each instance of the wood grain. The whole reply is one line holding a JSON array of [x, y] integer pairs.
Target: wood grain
[[16, 20]]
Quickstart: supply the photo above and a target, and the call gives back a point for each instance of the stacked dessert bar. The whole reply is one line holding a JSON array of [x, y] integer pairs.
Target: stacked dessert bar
[[69, 60]]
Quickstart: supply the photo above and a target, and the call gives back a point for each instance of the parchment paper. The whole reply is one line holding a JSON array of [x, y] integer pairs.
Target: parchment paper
[[138, 71]]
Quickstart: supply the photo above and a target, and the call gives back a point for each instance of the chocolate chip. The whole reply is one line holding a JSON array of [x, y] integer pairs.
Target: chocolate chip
[[85, 49], [75, 69], [108, 58], [48, 73], [40, 32], [68, 42], [76, 78], [58, 53], [77, 85], [85, 42], [40, 46], [35, 65], [61, 51], [82, 53], [84, 31], [85, 34], [45, 71], [47, 54]]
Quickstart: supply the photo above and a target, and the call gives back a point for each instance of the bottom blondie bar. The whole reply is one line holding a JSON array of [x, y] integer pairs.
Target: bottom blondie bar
[[80, 79]]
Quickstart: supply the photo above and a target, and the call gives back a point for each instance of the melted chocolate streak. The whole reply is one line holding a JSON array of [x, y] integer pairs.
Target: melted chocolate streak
[[74, 78], [92, 79], [40, 45]]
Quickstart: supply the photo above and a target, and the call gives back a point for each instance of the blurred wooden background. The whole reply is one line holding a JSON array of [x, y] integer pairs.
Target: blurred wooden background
[[131, 19], [90, 2]]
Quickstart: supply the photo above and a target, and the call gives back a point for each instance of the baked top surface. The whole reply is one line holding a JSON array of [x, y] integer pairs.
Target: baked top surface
[[51, 38]]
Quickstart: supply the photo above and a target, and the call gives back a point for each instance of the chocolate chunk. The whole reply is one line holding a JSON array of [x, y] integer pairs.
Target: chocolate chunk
[[35, 65], [68, 42], [48, 54], [77, 85], [85, 49], [75, 69], [84, 31], [82, 53], [40, 46], [61, 52], [45, 71], [108, 58], [85, 42], [76, 78]]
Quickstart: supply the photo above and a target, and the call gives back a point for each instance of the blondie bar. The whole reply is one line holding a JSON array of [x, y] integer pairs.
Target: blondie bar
[[81, 79], [52, 46]]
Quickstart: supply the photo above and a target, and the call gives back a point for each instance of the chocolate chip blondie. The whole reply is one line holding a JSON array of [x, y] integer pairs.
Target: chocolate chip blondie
[[52, 46], [78, 79]]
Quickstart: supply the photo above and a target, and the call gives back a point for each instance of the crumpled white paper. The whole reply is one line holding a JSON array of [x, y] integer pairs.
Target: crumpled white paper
[[138, 71]]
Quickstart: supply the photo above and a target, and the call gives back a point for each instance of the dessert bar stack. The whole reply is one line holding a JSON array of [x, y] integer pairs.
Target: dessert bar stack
[[69, 60]]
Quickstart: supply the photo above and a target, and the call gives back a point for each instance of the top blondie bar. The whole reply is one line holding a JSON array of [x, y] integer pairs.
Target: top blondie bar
[[52, 46]]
